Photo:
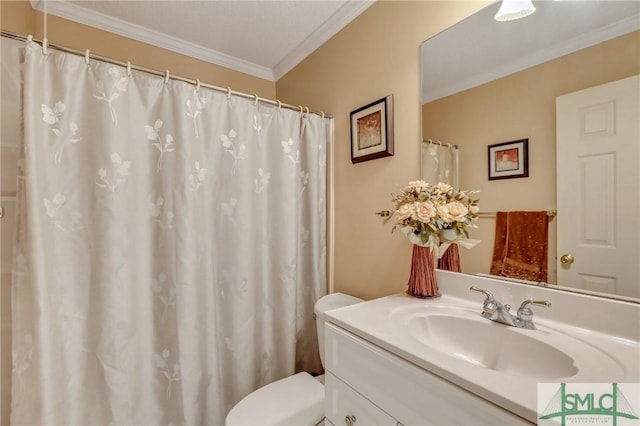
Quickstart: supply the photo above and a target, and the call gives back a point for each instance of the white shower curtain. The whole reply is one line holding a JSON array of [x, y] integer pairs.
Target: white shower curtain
[[171, 247], [439, 163]]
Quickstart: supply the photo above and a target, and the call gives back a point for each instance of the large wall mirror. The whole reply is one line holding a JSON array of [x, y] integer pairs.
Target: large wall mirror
[[486, 82]]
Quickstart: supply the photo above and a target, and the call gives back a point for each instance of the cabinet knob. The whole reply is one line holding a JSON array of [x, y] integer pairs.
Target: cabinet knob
[[350, 420]]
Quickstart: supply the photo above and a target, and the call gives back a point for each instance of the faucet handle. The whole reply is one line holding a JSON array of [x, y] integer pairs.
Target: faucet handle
[[525, 313], [530, 300], [487, 293], [490, 305]]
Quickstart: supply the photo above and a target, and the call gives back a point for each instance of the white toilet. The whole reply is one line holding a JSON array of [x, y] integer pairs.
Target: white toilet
[[295, 400]]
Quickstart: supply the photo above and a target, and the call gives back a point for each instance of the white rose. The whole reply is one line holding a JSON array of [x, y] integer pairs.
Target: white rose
[[425, 211], [443, 188], [416, 186], [474, 209], [404, 212], [453, 212], [418, 183]]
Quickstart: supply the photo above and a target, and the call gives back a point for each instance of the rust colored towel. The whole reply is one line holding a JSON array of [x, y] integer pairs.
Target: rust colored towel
[[521, 245]]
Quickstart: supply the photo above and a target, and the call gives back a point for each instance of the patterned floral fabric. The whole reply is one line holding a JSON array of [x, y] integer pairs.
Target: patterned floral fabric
[[171, 246], [439, 164]]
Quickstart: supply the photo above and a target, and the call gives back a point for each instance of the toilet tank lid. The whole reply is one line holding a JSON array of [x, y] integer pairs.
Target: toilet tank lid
[[334, 301]]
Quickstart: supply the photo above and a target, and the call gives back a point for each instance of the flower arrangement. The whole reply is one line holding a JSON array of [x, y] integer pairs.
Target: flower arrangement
[[435, 216]]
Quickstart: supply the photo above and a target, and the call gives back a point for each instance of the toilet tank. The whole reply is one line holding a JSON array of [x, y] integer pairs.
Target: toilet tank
[[325, 304]]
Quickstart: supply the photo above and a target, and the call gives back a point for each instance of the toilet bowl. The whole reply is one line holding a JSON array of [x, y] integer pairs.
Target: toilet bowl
[[295, 400]]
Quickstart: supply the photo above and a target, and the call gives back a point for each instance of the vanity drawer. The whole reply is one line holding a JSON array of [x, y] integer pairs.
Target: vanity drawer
[[405, 391], [341, 401]]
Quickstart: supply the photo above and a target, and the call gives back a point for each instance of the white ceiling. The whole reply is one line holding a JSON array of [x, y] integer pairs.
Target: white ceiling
[[267, 38], [264, 38], [479, 49]]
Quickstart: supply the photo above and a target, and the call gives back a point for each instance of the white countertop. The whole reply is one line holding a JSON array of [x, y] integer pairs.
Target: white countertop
[[376, 321]]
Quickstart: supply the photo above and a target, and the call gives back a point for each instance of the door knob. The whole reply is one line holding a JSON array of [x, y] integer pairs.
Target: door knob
[[566, 259]]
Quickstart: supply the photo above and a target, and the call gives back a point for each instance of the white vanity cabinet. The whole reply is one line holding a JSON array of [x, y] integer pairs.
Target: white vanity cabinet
[[368, 385]]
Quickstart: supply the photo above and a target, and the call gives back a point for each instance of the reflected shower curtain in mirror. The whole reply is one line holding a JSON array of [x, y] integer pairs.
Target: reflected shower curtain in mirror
[[171, 247], [439, 163]]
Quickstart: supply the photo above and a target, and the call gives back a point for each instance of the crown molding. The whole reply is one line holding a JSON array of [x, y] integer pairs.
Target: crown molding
[[599, 35], [340, 19], [76, 13]]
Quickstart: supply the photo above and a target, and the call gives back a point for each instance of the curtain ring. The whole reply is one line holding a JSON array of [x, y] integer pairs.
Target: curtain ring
[[306, 111], [301, 110], [166, 77], [322, 112], [228, 92], [279, 105], [29, 38], [86, 56], [128, 69], [197, 85], [255, 99], [45, 46]]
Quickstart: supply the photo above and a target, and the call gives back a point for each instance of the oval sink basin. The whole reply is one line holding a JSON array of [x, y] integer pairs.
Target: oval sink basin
[[491, 345]]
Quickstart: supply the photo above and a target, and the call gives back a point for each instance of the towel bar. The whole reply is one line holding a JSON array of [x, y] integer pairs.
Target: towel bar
[[550, 213]]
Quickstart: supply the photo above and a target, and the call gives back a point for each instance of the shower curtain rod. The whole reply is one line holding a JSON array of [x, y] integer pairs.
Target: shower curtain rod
[[87, 54], [432, 142]]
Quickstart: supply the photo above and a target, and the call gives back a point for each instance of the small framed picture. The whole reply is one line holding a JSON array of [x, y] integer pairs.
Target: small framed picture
[[509, 160], [372, 131]]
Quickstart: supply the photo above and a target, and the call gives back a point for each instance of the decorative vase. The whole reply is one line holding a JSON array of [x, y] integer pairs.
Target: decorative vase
[[450, 260], [422, 281]]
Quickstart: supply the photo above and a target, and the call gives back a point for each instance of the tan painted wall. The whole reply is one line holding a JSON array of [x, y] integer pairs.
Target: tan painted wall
[[18, 17], [520, 106], [376, 55]]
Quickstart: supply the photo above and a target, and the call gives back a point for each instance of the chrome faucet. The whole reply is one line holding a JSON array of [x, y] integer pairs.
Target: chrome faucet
[[496, 311]]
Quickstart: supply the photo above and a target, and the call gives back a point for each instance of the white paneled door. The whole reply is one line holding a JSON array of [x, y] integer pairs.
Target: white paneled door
[[598, 156]]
